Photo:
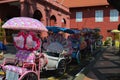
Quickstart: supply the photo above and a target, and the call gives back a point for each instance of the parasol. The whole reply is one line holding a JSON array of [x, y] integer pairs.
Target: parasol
[[117, 31], [69, 31], [24, 23], [53, 29], [56, 29], [25, 41]]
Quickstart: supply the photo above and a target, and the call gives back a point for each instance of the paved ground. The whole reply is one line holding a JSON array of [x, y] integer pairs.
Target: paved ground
[[10, 53], [72, 69], [106, 67]]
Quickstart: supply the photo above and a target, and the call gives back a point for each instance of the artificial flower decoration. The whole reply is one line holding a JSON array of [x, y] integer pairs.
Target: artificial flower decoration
[[32, 42], [29, 42], [19, 40], [57, 43]]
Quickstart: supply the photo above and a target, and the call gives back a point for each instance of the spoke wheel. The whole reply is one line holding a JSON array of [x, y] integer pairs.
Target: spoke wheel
[[61, 67], [30, 76], [78, 57], [99, 43], [68, 59]]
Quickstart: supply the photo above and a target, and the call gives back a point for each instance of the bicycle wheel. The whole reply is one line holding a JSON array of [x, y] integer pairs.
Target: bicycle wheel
[[61, 67], [78, 57], [30, 76], [68, 59]]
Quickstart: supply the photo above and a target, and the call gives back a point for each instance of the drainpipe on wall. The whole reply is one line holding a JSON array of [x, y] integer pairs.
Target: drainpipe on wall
[[24, 8], [47, 11]]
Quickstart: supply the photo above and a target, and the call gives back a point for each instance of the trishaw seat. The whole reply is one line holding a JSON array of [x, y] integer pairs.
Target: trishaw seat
[[25, 56], [16, 69]]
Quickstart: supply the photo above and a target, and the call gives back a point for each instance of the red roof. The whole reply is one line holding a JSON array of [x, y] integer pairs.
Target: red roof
[[6, 1], [83, 3]]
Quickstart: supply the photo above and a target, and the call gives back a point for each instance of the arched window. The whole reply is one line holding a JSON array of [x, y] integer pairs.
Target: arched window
[[37, 15], [52, 20], [63, 22]]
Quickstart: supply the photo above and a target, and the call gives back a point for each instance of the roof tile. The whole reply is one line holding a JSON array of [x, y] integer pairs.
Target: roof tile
[[82, 3]]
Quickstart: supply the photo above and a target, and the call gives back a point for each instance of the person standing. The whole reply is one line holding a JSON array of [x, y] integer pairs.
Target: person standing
[[2, 50]]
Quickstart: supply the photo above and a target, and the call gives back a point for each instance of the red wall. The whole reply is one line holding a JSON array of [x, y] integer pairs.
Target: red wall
[[9, 11], [89, 19]]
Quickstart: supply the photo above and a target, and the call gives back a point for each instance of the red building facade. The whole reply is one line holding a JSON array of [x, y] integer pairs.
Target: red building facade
[[49, 12], [91, 11], [88, 20]]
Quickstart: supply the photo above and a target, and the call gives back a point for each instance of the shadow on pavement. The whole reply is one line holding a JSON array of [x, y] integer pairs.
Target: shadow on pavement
[[107, 67]]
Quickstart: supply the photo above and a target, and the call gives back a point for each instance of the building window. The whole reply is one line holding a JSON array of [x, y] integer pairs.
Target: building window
[[114, 15], [99, 16], [79, 16]]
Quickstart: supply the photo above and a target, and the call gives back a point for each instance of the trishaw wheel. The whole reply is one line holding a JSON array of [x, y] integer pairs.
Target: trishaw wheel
[[61, 67], [68, 59], [78, 57], [30, 76], [99, 43]]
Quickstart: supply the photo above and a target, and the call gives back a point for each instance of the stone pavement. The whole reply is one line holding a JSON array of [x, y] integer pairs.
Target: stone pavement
[[10, 53], [106, 66]]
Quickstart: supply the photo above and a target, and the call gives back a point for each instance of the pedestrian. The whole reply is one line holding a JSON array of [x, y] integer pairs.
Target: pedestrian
[[2, 50]]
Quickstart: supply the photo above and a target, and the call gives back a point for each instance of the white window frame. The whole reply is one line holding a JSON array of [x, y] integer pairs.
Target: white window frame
[[79, 16], [114, 15], [99, 16]]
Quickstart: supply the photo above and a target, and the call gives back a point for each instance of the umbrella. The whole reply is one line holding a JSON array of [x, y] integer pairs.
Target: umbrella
[[24, 23], [54, 29], [76, 31], [62, 29], [69, 31], [115, 31], [72, 31]]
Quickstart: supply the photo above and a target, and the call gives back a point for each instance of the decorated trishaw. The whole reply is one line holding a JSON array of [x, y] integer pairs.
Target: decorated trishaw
[[57, 45], [29, 60], [78, 44], [93, 40], [72, 45], [97, 38]]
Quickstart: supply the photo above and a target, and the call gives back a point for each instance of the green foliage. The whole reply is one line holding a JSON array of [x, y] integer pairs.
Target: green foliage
[[2, 31], [1, 23], [108, 41]]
